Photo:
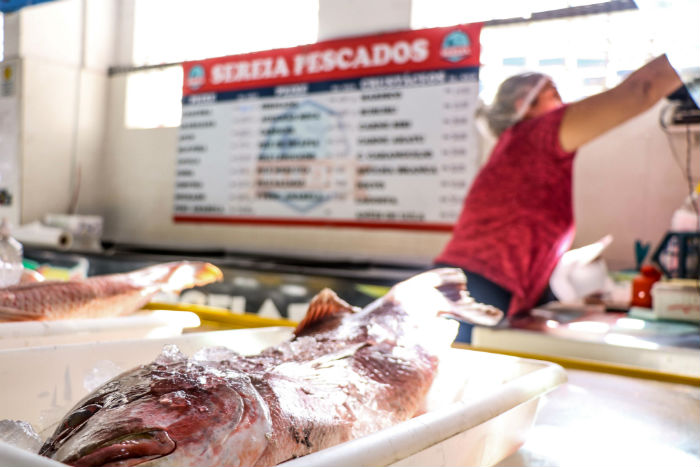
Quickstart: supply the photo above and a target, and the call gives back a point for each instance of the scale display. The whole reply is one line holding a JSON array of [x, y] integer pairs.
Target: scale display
[[372, 131]]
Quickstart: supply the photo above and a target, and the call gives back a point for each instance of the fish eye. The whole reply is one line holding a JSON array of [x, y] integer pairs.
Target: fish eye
[[69, 425], [79, 417]]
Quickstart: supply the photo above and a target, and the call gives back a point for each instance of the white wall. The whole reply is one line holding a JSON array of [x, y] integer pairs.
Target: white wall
[[47, 112], [343, 18], [627, 183], [65, 49]]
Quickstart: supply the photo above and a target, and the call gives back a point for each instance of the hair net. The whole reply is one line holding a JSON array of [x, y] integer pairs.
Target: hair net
[[523, 87]]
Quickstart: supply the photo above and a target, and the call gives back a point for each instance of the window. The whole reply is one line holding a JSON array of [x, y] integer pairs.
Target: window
[[584, 53], [168, 31], [173, 31], [154, 98], [436, 13]]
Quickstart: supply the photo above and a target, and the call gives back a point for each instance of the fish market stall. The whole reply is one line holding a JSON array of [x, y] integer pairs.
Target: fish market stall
[[500, 410], [344, 376], [592, 419], [486, 416]]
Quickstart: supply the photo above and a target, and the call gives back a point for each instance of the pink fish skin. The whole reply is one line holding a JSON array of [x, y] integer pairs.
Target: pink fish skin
[[101, 296], [346, 373]]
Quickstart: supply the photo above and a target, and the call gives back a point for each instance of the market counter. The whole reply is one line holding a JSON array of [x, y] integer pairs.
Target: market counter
[[598, 420], [664, 350]]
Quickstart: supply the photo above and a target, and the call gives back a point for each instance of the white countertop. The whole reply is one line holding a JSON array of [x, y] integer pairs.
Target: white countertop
[[600, 420]]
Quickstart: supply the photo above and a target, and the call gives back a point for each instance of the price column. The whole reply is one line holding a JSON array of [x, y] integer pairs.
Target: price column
[[201, 157], [458, 153], [244, 147]]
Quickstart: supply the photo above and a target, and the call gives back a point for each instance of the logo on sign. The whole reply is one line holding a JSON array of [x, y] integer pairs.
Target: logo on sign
[[195, 77], [455, 47]]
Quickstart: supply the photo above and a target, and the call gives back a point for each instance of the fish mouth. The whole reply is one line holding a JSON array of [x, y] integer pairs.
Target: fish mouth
[[128, 450]]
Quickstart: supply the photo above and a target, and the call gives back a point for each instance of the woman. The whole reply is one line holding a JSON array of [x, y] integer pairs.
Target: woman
[[517, 219]]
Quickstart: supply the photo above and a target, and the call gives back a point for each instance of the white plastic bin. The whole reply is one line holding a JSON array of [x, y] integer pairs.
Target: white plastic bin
[[146, 324], [479, 412]]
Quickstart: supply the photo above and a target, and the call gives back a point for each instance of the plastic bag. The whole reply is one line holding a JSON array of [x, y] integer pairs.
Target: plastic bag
[[11, 266]]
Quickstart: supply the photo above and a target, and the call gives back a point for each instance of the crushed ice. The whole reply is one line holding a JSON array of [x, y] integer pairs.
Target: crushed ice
[[214, 354], [20, 434], [170, 354], [100, 373]]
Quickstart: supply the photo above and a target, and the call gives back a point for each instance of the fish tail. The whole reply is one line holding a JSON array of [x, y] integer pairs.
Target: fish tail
[[449, 297], [186, 274]]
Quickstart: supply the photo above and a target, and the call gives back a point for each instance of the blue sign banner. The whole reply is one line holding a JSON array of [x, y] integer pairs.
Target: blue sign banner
[[8, 6]]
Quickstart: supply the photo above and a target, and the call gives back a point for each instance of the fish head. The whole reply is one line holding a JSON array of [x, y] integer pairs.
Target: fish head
[[166, 413]]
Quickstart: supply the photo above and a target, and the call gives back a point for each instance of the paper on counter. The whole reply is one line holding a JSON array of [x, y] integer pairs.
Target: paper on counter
[[37, 234], [76, 225], [581, 271]]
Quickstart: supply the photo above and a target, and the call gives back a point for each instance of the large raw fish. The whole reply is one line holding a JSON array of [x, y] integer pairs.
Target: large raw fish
[[101, 296], [346, 373]]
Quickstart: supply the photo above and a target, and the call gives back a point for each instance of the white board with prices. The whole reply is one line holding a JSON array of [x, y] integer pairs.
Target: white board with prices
[[373, 131]]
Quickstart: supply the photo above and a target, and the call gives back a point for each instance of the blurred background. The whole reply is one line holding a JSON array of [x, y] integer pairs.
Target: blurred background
[[94, 126]]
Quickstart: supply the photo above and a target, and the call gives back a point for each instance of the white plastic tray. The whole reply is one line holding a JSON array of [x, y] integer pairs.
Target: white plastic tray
[[610, 347], [479, 412], [146, 324]]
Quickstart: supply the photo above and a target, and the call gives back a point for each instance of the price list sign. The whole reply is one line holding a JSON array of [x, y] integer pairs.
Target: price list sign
[[372, 131]]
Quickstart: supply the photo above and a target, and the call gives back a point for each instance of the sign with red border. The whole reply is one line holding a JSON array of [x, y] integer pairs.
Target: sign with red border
[[339, 133], [382, 54]]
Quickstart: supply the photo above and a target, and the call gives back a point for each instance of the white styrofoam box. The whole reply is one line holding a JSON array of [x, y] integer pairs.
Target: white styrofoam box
[[676, 300], [152, 324], [479, 410]]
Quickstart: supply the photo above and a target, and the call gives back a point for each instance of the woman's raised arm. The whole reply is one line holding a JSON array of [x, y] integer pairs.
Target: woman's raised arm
[[591, 117]]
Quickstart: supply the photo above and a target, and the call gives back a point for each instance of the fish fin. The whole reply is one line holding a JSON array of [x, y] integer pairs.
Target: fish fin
[[186, 274], [30, 276], [326, 303], [16, 314], [453, 299]]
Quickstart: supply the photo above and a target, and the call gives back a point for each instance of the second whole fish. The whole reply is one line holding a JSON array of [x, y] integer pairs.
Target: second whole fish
[[103, 295], [346, 373]]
